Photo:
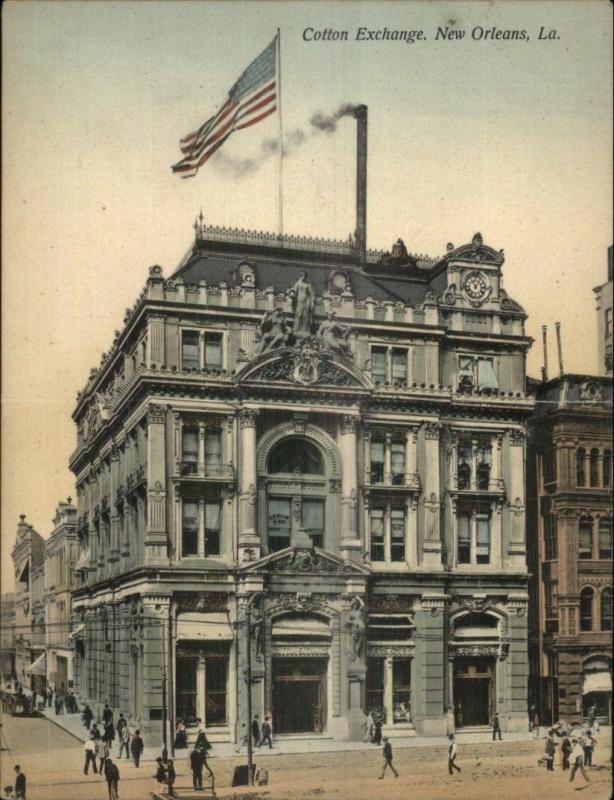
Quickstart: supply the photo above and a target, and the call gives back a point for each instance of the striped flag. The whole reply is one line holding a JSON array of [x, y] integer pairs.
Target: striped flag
[[252, 98]]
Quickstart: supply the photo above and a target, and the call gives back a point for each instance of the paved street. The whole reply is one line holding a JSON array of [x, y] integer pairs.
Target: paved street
[[52, 760]]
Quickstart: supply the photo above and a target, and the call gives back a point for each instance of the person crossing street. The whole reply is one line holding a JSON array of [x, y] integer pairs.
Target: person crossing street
[[387, 753]]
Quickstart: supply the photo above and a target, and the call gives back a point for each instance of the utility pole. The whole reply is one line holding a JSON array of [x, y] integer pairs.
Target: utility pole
[[248, 680], [164, 714]]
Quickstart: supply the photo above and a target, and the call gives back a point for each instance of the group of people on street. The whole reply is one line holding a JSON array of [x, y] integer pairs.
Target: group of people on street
[[261, 733], [373, 727], [576, 750], [18, 792]]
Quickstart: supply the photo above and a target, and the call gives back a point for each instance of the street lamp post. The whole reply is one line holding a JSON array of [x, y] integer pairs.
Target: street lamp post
[[164, 740], [248, 680]]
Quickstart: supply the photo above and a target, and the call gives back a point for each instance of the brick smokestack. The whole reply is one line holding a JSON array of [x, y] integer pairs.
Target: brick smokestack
[[360, 112]]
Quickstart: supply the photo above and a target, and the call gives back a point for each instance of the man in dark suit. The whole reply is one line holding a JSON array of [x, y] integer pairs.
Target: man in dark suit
[[387, 753], [196, 764], [20, 783]]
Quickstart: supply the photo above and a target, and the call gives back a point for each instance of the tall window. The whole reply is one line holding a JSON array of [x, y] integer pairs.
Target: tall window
[[580, 472], [295, 455], [550, 538], [397, 463], [397, 534], [594, 467], [189, 350], [473, 537], [212, 528], [401, 690], [279, 523], [377, 461], [483, 466], [586, 609], [399, 366], [379, 373], [464, 465], [375, 684], [389, 365], [189, 528], [608, 322], [388, 526], [605, 538], [607, 468], [606, 609], [378, 548], [550, 465], [189, 451], [585, 537], [474, 464], [312, 517], [213, 350], [476, 373], [213, 451], [550, 608], [216, 680]]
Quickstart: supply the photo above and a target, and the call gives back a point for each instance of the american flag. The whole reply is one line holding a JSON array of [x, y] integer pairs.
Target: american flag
[[252, 98]]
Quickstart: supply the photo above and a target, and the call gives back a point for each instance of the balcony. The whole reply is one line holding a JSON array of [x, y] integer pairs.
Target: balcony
[[377, 478], [193, 471]]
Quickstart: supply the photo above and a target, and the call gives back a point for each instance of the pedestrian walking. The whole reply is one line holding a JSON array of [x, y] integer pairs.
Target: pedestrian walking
[[592, 713], [181, 736], [160, 775], [496, 727], [170, 779], [452, 755], [387, 753], [109, 733], [58, 704], [103, 755], [196, 765], [256, 731], [450, 722], [549, 749], [49, 696], [377, 728], [588, 744], [107, 714], [242, 738], [368, 726], [201, 738], [86, 717], [124, 741], [577, 757], [566, 752], [90, 756], [121, 724], [111, 773], [266, 733], [136, 747], [95, 733], [20, 783]]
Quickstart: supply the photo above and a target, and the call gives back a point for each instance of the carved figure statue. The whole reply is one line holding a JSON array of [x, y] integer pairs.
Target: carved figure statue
[[333, 335], [356, 625], [303, 303], [273, 332]]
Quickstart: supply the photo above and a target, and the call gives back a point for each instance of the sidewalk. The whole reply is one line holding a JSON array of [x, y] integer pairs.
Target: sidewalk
[[283, 745]]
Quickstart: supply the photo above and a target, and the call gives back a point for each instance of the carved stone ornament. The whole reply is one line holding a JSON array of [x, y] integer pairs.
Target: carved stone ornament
[[591, 392], [431, 430], [156, 413], [300, 601], [390, 651], [479, 650], [393, 604], [476, 604], [248, 417], [205, 601], [300, 560], [137, 619]]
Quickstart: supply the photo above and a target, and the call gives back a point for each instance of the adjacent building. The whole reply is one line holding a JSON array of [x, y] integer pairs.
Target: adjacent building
[[570, 530], [308, 464], [61, 553], [603, 296], [7, 635], [29, 565]]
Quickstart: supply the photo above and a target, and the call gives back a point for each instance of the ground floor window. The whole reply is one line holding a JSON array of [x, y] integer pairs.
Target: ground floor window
[[375, 685], [401, 690], [388, 688], [202, 683]]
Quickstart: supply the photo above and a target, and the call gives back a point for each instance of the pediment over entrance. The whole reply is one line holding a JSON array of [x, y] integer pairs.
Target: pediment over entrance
[[306, 561], [307, 364]]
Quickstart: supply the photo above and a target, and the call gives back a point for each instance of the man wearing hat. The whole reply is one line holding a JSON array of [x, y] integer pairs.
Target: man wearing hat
[[387, 752]]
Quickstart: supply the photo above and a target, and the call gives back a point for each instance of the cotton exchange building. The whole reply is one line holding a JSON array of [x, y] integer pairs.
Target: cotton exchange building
[[318, 457]]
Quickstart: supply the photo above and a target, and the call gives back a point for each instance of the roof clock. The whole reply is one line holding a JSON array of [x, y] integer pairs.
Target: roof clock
[[476, 288]]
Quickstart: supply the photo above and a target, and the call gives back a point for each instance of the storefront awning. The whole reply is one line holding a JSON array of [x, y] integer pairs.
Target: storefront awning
[[78, 632], [38, 666], [597, 682], [204, 627], [300, 627]]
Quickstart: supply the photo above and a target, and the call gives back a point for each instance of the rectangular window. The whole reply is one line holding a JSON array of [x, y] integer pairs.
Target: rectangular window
[[401, 690], [482, 539], [375, 685], [550, 538], [397, 463], [476, 373], [216, 680], [279, 524], [463, 468], [608, 322], [189, 350], [213, 350], [484, 466], [605, 539], [397, 534], [585, 548], [486, 374], [213, 452], [313, 520], [399, 366], [377, 461], [464, 539], [187, 668], [377, 535], [189, 451], [189, 528], [212, 529], [550, 608], [378, 364]]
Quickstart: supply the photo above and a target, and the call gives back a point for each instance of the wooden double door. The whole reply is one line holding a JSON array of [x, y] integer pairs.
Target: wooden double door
[[474, 691], [299, 695]]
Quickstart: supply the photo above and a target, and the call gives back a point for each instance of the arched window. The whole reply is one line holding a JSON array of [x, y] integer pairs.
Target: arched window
[[594, 467], [606, 609], [585, 537], [605, 538], [580, 474], [295, 455], [586, 609], [607, 468]]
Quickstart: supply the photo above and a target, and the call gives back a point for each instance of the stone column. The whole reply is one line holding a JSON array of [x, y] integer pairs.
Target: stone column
[[516, 550], [388, 459], [201, 448], [411, 455], [388, 685], [474, 465], [201, 688], [350, 545], [496, 442], [115, 519], [431, 544], [411, 527], [155, 526], [249, 541]]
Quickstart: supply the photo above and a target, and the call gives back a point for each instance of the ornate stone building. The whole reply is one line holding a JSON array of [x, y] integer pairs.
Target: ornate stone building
[[61, 553], [605, 322], [569, 475], [319, 458]]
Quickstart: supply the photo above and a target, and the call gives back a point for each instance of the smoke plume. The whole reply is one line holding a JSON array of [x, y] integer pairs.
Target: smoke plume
[[318, 124]]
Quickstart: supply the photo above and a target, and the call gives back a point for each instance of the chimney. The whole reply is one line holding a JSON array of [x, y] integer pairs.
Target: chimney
[[545, 344], [559, 346], [360, 112]]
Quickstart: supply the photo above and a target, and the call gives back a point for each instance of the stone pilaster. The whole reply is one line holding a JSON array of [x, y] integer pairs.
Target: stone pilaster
[[350, 545], [431, 538], [155, 531], [249, 541]]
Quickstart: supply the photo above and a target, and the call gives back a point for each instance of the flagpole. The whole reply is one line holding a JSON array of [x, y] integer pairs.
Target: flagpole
[[280, 199]]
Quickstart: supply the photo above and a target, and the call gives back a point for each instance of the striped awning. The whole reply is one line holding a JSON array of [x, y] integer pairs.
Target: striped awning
[[597, 682], [38, 666]]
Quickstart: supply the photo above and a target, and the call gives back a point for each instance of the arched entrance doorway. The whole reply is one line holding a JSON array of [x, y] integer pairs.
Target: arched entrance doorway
[[474, 649]]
